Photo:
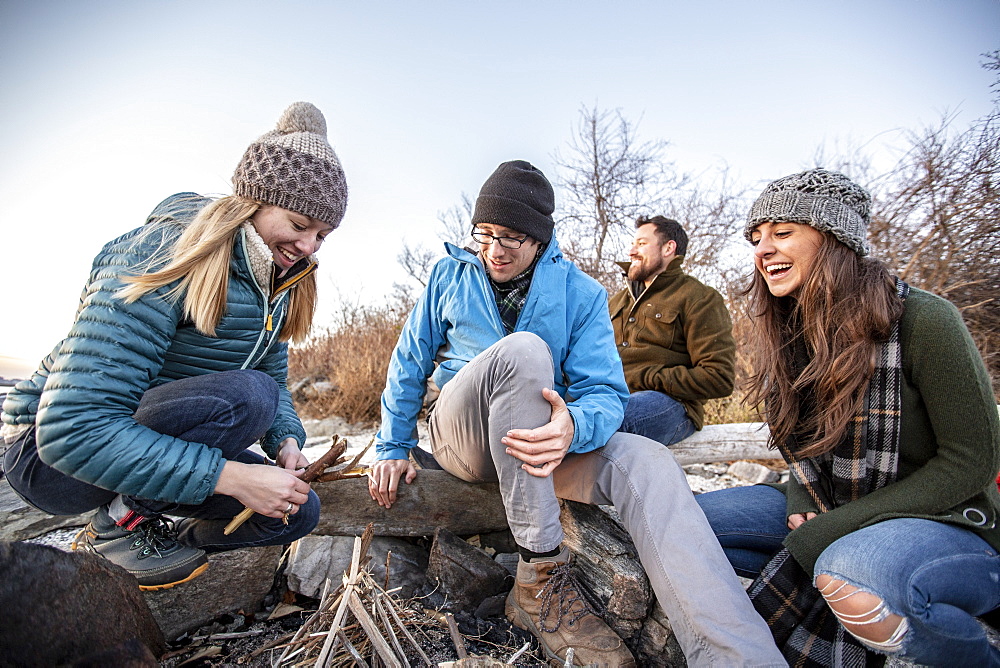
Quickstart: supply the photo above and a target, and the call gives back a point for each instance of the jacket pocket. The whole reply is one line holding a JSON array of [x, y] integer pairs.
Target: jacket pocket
[[658, 325]]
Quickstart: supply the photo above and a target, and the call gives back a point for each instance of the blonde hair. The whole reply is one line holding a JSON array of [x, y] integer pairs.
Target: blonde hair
[[199, 260]]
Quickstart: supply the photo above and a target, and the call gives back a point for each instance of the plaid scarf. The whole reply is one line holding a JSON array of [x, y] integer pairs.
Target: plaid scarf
[[512, 294], [803, 625]]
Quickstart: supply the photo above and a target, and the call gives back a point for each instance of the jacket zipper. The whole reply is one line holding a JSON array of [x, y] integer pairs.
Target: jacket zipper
[[270, 308]]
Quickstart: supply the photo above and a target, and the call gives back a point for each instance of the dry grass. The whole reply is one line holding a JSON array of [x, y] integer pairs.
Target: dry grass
[[352, 356]]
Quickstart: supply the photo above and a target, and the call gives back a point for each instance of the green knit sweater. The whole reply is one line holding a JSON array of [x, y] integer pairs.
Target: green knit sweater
[[949, 439]]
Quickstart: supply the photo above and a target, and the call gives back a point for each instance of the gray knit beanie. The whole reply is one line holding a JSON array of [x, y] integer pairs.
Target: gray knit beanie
[[517, 195], [828, 201], [294, 167]]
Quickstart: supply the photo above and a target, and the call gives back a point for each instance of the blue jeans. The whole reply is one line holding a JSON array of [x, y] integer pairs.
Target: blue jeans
[[939, 577], [656, 416], [229, 411]]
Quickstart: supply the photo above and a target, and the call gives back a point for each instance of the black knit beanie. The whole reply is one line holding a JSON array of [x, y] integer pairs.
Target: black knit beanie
[[517, 195]]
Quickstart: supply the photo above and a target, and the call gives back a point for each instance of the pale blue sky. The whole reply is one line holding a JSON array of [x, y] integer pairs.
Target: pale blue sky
[[108, 107]]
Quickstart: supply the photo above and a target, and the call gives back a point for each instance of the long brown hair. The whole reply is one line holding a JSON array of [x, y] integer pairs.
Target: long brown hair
[[843, 310], [199, 261]]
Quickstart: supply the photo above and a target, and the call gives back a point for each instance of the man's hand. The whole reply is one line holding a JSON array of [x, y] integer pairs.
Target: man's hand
[[543, 449], [383, 481], [290, 457], [798, 519]]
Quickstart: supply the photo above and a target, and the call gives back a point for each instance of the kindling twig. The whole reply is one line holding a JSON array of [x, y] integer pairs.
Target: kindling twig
[[312, 472], [456, 637]]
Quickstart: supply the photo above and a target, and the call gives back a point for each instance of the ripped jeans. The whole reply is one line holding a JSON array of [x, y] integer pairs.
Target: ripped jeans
[[937, 576]]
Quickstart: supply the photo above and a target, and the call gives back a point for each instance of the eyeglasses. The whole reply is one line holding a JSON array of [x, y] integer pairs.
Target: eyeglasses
[[506, 242]]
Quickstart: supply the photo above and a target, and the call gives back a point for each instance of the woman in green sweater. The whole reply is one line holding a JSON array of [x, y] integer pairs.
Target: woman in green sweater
[[885, 539]]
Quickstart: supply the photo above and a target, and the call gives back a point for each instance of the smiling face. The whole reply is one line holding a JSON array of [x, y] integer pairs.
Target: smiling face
[[506, 263], [649, 255], [290, 236], [784, 254]]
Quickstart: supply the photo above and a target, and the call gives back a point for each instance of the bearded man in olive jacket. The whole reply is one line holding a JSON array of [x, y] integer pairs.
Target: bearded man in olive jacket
[[674, 336]]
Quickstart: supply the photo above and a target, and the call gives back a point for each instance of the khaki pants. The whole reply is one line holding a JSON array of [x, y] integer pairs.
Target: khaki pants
[[501, 389]]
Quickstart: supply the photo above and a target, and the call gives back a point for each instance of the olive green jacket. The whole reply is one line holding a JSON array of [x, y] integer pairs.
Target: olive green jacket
[[676, 337], [949, 439]]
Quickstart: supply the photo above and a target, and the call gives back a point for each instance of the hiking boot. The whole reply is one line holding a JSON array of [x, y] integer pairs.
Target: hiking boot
[[145, 547], [548, 600]]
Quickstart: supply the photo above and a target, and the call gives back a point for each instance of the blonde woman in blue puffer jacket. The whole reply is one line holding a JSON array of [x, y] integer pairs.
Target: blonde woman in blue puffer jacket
[[177, 362]]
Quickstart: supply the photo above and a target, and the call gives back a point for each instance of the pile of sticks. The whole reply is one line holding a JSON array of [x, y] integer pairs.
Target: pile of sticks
[[359, 618]]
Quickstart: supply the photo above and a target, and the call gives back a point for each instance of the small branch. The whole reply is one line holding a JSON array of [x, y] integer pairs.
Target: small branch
[[456, 637]]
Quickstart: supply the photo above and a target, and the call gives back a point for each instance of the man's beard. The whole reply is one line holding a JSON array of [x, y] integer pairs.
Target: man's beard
[[645, 269]]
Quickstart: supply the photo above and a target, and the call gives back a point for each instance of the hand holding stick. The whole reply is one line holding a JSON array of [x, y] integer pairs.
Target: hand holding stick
[[311, 473]]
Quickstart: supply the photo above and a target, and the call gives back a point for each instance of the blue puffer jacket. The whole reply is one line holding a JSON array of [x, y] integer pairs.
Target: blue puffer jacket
[[456, 318], [85, 392]]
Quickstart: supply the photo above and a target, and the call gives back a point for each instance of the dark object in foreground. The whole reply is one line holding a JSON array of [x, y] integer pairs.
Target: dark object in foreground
[[66, 608]]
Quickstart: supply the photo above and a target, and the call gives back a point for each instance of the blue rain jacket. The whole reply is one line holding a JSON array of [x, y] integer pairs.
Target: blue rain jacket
[[456, 318]]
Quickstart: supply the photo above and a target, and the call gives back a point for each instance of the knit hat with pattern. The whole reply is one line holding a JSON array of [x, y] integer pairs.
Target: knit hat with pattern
[[517, 195], [294, 167], [828, 201]]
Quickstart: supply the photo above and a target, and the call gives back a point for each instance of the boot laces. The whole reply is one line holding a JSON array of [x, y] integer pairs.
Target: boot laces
[[154, 537], [565, 590]]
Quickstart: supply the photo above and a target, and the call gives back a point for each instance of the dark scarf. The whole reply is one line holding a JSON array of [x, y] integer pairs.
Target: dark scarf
[[803, 625], [512, 294]]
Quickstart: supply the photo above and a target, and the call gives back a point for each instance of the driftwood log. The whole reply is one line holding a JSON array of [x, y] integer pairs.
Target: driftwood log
[[435, 499], [725, 443], [438, 499]]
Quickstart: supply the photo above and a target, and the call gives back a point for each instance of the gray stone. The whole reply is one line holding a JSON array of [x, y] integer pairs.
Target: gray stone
[[313, 559], [19, 521], [67, 607], [657, 644], [465, 574], [752, 472], [235, 580]]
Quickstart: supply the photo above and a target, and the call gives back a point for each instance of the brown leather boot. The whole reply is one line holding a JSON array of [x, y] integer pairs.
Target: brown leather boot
[[548, 601]]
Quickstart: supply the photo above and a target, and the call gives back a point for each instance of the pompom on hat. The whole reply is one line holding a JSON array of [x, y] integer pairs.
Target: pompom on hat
[[825, 200], [294, 167]]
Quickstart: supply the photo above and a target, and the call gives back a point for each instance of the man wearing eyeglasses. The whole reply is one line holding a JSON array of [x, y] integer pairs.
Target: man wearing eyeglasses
[[532, 393]]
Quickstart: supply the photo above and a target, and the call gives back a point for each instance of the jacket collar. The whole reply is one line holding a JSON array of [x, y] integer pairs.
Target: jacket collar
[[660, 281]]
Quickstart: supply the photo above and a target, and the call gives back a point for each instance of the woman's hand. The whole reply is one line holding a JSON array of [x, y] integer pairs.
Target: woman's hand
[[798, 519], [384, 479], [290, 457], [268, 490]]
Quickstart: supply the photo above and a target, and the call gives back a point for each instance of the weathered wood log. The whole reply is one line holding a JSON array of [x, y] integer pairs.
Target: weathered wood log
[[609, 566], [725, 443], [608, 563], [435, 499]]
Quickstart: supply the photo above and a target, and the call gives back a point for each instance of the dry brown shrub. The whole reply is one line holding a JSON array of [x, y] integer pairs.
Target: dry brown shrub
[[353, 356]]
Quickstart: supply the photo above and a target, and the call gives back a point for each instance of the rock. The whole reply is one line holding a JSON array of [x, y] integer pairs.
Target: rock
[[313, 559], [435, 499], [465, 574], [657, 644], [752, 472], [235, 580], [66, 607], [498, 541], [130, 654], [19, 521]]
